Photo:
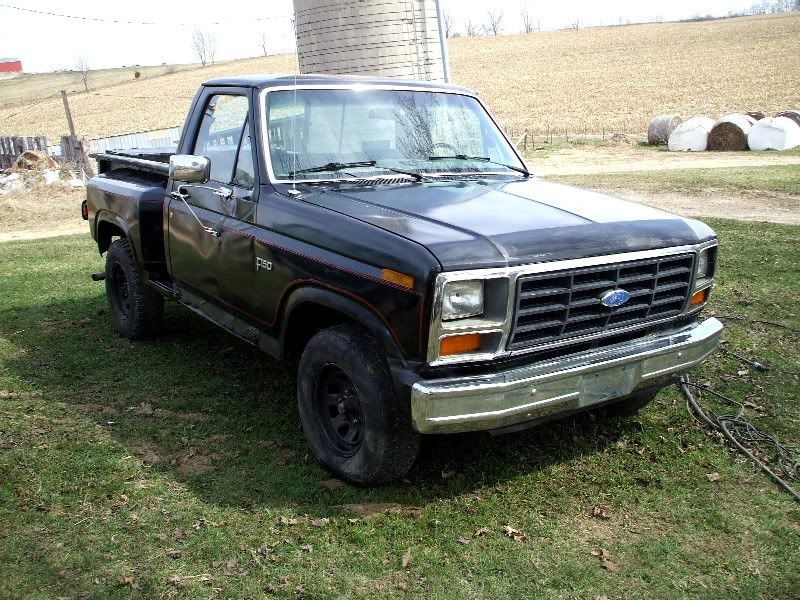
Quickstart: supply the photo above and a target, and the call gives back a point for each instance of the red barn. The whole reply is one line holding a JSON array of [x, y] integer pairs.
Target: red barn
[[10, 67]]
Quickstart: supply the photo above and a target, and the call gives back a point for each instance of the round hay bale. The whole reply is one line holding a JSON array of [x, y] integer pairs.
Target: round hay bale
[[730, 133], [756, 115], [774, 133], [33, 160], [794, 115], [660, 129], [691, 135]]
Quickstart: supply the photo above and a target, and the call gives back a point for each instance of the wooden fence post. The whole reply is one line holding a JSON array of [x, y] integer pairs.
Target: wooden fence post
[[73, 149]]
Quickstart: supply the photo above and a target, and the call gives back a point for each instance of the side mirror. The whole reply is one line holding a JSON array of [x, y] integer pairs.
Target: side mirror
[[189, 169]]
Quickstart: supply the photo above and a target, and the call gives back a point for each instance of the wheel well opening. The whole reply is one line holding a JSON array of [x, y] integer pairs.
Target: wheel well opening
[[106, 232], [305, 321]]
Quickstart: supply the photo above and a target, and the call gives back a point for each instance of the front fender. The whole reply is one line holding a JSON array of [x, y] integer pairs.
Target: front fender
[[348, 305]]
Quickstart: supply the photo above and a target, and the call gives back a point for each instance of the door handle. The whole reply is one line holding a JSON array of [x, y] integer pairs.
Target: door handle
[[224, 193], [182, 194]]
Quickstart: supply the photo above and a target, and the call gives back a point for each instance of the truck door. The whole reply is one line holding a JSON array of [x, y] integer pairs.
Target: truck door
[[197, 232]]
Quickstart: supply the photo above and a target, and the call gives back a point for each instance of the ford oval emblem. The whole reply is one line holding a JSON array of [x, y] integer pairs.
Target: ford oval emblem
[[614, 298]]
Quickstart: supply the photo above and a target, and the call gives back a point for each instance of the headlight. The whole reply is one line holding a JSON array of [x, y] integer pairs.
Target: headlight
[[462, 299], [704, 270], [703, 264]]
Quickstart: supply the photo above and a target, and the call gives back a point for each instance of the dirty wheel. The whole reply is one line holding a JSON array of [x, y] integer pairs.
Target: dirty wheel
[[350, 413], [136, 309]]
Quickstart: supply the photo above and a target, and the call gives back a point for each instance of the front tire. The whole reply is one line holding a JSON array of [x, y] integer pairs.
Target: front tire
[[350, 413], [136, 309]]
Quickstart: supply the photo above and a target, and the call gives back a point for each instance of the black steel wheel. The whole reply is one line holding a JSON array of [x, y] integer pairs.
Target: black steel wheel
[[136, 308], [339, 410], [351, 416]]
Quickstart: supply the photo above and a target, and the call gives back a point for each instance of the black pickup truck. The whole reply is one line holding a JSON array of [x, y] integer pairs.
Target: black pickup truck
[[389, 236]]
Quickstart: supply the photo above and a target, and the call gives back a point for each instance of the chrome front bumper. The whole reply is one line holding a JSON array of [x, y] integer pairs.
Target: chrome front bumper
[[570, 383]]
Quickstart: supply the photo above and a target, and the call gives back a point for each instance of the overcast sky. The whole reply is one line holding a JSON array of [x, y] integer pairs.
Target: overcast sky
[[46, 43]]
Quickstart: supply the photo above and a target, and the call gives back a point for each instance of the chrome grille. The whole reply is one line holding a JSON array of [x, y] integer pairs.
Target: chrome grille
[[559, 305]]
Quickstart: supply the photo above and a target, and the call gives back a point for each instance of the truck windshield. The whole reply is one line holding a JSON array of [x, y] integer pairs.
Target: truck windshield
[[370, 132]]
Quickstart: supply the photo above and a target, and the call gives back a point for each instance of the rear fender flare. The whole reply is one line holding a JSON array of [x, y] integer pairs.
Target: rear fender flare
[[104, 241]]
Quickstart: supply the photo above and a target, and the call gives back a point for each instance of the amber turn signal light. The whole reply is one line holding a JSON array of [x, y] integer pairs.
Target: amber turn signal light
[[698, 297], [459, 344], [402, 279]]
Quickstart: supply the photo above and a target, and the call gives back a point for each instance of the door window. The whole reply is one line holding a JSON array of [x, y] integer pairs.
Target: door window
[[220, 134], [244, 175]]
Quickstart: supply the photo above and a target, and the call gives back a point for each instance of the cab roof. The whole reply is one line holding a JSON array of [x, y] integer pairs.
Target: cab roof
[[272, 80]]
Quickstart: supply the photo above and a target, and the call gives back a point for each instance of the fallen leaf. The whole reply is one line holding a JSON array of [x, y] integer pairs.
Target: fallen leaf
[[481, 531], [307, 548], [406, 559], [609, 566], [320, 522], [600, 553], [464, 540], [514, 534], [179, 534], [175, 580], [365, 510], [174, 553], [601, 512], [353, 521], [146, 408], [288, 521], [127, 581], [447, 474], [713, 477], [333, 484]]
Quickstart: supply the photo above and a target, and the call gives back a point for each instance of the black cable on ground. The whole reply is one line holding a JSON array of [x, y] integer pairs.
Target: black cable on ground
[[737, 427], [762, 321]]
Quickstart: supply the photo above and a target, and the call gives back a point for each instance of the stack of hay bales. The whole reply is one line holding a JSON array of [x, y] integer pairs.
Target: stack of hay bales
[[730, 133], [660, 129], [691, 135], [774, 133]]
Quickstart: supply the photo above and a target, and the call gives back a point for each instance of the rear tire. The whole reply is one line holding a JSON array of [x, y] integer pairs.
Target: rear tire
[[136, 308], [350, 413]]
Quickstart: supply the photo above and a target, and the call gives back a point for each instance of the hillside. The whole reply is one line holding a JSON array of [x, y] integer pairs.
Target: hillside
[[614, 78]]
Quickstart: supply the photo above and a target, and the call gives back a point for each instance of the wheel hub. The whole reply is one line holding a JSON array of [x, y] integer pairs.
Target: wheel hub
[[339, 413]]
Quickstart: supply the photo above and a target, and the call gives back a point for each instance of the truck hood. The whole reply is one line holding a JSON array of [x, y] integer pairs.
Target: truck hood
[[476, 224]]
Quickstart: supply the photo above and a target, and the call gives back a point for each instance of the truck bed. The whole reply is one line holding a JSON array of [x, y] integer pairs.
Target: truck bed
[[151, 160]]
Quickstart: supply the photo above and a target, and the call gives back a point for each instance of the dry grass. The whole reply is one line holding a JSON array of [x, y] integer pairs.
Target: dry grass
[[612, 77], [28, 87], [42, 208]]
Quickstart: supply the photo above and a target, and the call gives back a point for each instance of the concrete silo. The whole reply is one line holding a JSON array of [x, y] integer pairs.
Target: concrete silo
[[383, 38]]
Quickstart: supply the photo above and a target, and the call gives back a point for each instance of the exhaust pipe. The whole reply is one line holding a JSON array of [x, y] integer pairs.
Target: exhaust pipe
[[98, 276]]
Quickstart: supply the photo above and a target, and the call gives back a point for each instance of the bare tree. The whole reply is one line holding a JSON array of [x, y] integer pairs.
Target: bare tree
[[84, 74], [264, 44], [575, 24], [205, 46], [528, 23], [470, 29], [449, 23], [494, 26]]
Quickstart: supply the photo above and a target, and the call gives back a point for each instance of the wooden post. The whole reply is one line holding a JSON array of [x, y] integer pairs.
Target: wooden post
[[70, 124]]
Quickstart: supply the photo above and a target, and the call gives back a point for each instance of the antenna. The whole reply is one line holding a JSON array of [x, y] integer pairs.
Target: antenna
[[294, 138]]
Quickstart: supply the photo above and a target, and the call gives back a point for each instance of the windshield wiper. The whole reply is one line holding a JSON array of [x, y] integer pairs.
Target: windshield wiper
[[481, 159], [416, 176], [334, 166]]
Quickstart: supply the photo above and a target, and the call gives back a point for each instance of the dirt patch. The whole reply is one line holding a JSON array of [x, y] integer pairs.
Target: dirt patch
[[366, 510], [194, 462], [766, 207]]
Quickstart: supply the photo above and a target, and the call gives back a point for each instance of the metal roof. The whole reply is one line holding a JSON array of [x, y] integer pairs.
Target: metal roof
[[273, 80]]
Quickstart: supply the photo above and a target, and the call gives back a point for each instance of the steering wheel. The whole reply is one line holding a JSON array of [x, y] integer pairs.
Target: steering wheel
[[444, 145]]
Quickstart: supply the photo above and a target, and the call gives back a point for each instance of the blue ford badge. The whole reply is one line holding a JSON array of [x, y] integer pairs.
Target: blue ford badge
[[614, 298]]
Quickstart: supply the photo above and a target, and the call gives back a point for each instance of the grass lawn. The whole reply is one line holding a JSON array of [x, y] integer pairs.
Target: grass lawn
[[782, 178], [177, 467]]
